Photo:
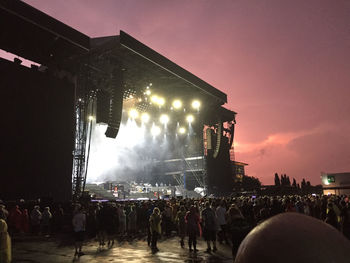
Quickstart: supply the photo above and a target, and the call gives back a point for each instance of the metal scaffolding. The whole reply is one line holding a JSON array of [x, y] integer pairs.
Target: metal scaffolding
[[79, 148]]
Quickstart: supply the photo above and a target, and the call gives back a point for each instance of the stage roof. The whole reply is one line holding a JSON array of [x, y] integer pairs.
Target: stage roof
[[36, 36]]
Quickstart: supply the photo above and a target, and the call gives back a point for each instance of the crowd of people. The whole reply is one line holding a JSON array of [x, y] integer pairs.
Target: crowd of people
[[223, 220]]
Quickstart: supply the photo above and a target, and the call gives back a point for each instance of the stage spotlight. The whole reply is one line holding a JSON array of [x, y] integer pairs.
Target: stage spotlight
[[177, 104], [133, 113], [196, 104], [182, 130], [148, 92], [155, 130], [158, 100], [161, 101], [154, 98], [145, 117], [189, 118], [164, 119]]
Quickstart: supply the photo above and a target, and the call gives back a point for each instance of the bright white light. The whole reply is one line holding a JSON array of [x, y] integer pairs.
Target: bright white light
[[196, 104], [164, 119], [182, 130], [133, 113], [155, 130], [91, 118], [189, 118], [145, 117], [177, 104], [161, 101], [158, 100], [154, 98], [148, 92]]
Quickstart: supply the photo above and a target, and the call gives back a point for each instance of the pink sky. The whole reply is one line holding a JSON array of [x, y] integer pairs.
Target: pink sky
[[285, 66]]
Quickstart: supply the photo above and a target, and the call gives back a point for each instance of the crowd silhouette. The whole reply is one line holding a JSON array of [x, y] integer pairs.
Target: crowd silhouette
[[226, 221]]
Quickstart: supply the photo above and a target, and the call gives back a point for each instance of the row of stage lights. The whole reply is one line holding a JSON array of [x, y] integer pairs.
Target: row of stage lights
[[155, 130], [177, 105], [160, 101], [163, 119]]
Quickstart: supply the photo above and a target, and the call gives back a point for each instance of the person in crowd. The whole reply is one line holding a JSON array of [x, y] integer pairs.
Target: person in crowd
[[103, 217], [331, 216], [3, 212], [345, 218], [221, 217], [149, 233], [238, 226], [5, 243], [181, 224], [35, 219], [46, 221], [155, 221], [122, 220], [58, 216], [299, 205], [293, 237], [112, 223], [289, 205], [15, 220], [132, 220], [79, 224], [167, 219], [25, 221], [193, 228], [209, 223]]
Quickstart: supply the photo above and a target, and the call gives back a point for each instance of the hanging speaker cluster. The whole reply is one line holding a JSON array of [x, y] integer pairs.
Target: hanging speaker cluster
[[102, 106], [218, 139], [116, 105]]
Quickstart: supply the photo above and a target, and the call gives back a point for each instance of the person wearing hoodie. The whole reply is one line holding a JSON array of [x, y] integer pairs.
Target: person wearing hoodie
[[155, 221], [5, 243]]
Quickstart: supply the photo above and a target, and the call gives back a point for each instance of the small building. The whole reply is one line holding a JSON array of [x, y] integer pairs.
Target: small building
[[336, 183], [238, 170]]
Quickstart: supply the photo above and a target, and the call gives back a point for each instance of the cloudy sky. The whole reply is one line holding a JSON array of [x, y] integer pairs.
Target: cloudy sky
[[285, 66]]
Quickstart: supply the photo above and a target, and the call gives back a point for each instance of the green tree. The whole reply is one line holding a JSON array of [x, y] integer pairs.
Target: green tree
[[303, 185], [250, 183], [287, 180], [277, 180]]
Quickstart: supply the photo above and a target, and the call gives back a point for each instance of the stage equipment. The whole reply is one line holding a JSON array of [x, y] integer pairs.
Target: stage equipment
[[109, 74], [102, 106], [133, 113], [189, 118], [218, 139], [196, 104], [182, 130], [177, 104], [145, 117], [164, 119]]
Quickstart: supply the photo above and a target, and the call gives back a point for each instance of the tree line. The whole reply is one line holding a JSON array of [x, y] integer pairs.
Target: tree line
[[283, 182], [283, 186]]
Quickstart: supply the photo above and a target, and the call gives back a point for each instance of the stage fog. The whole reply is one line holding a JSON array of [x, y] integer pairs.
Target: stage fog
[[133, 154]]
